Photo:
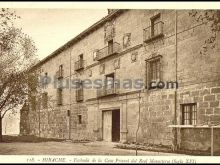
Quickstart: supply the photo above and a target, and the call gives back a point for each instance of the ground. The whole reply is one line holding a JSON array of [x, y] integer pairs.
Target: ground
[[32, 145], [69, 148]]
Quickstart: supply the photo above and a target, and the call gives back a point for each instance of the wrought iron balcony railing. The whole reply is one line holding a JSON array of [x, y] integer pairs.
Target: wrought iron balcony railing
[[107, 90], [153, 31], [79, 94], [108, 51], [79, 65]]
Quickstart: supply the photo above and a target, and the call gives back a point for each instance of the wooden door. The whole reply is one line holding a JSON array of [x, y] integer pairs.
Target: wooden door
[[107, 126]]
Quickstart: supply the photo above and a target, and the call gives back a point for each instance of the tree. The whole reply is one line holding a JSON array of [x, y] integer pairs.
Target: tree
[[212, 19], [17, 55]]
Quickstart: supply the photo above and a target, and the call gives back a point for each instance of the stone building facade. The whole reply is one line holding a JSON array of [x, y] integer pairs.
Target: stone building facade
[[145, 45]]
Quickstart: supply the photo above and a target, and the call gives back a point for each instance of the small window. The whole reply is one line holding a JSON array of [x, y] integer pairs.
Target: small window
[[68, 113], [59, 96], [81, 57], [189, 114], [110, 81], [60, 67], [79, 91], [45, 100], [110, 47], [60, 72], [45, 80], [79, 119]]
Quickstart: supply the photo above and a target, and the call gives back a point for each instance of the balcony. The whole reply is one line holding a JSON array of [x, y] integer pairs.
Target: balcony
[[153, 32], [79, 65], [107, 90], [108, 51], [79, 94], [59, 74]]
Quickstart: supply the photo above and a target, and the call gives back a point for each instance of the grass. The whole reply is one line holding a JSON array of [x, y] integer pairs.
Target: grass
[[28, 139], [160, 148]]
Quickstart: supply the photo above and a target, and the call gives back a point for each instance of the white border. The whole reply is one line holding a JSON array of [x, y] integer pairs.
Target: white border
[[114, 5]]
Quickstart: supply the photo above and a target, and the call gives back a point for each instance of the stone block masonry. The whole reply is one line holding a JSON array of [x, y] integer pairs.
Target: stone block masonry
[[197, 76]]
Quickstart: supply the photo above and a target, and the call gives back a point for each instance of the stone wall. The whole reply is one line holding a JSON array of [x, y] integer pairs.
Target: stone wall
[[198, 77]]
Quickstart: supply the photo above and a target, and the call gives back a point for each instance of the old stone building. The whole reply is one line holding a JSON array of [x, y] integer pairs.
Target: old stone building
[[144, 46]]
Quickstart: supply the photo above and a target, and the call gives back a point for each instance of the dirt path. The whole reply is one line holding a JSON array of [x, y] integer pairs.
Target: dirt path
[[68, 148]]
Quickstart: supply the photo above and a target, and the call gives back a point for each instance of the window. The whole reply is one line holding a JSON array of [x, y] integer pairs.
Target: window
[[60, 68], [81, 57], [68, 113], [110, 81], [59, 96], [79, 91], [189, 114], [79, 119], [45, 100], [60, 72], [79, 64], [155, 30], [45, 80], [153, 70], [154, 25], [110, 47]]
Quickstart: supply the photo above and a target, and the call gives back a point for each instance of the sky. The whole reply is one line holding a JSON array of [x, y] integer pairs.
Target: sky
[[52, 28]]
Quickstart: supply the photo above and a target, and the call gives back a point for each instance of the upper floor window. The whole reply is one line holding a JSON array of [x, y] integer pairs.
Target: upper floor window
[[81, 57], [59, 96], [155, 30], [110, 47], [189, 114], [45, 100], [60, 72], [153, 70], [154, 25], [79, 119], [110, 81], [79, 91], [68, 113], [45, 80], [80, 63]]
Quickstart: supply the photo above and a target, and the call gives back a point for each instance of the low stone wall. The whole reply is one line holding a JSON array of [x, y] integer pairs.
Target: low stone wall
[[199, 139]]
